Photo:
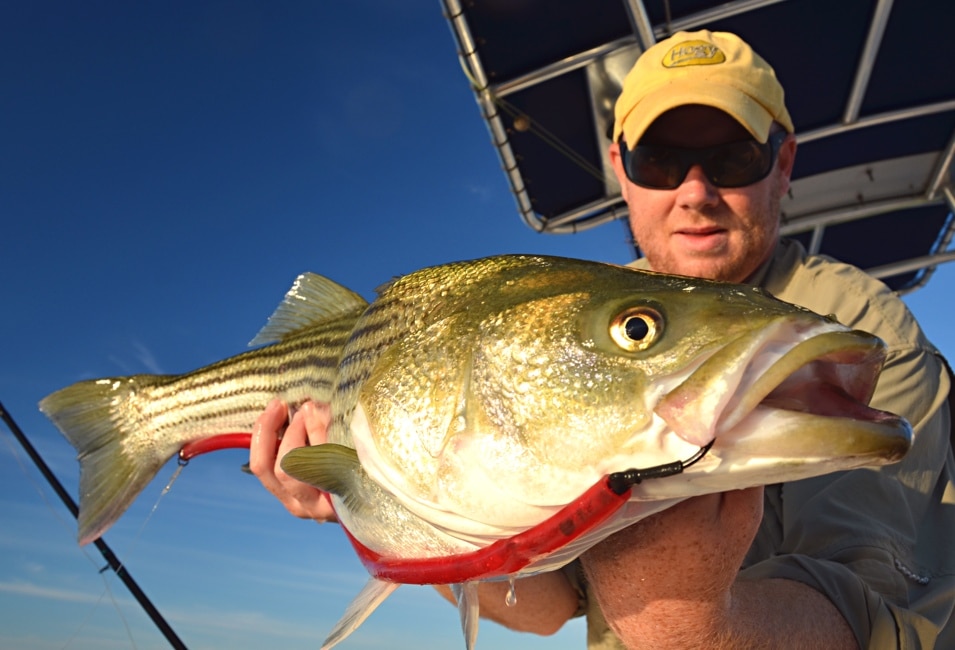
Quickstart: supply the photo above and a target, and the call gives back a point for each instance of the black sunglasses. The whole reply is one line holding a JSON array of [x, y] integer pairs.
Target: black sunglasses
[[736, 164]]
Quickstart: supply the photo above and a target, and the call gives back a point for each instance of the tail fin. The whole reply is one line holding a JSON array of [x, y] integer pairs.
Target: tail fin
[[96, 419]]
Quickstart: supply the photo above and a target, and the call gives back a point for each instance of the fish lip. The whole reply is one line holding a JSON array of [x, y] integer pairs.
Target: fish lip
[[843, 364], [781, 366]]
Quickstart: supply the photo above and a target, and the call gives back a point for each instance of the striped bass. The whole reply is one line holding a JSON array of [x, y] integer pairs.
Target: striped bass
[[495, 418]]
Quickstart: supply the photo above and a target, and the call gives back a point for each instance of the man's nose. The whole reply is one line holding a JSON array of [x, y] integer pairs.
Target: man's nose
[[697, 190]]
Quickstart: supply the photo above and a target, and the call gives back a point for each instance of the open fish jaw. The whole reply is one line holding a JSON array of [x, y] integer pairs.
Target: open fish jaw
[[831, 375], [795, 364], [734, 379], [794, 407]]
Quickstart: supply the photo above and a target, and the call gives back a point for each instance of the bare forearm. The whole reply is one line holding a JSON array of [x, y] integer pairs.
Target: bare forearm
[[543, 602], [779, 614], [786, 614], [672, 581]]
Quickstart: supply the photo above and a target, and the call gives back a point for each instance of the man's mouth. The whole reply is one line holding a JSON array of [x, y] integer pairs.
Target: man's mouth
[[701, 231], [702, 239]]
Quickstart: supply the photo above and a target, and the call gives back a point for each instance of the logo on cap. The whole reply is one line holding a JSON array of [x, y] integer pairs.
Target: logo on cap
[[693, 53]]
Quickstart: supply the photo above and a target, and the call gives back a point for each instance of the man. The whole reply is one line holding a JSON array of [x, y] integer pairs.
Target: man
[[703, 149]]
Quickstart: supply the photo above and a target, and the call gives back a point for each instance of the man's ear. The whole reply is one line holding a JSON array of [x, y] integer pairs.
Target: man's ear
[[616, 161], [785, 162]]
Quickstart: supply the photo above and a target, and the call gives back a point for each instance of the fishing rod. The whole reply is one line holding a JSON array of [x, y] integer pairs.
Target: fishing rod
[[111, 560]]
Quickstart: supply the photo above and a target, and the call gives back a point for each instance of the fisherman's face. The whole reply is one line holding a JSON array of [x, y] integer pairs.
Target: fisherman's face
[[699, 229]]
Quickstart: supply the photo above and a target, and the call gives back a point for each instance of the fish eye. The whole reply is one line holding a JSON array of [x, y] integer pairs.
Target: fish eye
[[635, 329]]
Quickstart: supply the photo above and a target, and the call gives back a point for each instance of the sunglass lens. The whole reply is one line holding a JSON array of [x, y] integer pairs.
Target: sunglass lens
[[738, 164], [656, 167]]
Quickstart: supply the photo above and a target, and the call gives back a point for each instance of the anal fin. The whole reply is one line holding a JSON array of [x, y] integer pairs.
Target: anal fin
[[469, 607], [372, 594]]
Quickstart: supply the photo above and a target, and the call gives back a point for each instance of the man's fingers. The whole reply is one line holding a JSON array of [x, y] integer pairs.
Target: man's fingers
[[265, 433], [271, 440], [293, 438], [317, 417]]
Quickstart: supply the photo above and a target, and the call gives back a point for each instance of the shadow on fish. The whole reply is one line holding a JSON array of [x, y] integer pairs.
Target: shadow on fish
[[495, 418]]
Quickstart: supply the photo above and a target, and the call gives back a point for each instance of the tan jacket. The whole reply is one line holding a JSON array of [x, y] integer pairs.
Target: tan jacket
[[880, 543]]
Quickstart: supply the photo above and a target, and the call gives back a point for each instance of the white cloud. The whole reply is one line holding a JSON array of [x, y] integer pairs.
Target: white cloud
[[147, 358], [49, 593], [483, 192], [143, 360]]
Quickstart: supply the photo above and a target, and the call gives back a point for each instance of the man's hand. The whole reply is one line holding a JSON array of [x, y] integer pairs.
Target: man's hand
[[668, 578], [308, 427]]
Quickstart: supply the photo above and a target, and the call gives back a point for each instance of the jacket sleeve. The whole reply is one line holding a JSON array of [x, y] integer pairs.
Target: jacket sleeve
[[878, 541]]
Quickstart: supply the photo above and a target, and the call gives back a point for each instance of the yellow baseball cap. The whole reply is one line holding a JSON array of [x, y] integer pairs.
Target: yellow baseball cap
[[715, 69]]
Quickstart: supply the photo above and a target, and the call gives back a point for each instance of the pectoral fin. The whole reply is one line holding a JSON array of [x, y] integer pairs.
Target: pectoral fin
[[330, 468]]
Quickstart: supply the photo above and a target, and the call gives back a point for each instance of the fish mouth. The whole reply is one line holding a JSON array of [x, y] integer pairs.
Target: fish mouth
[[779, 391]]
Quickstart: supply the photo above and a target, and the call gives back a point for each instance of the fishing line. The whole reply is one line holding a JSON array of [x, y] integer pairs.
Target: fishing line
[[101, 570], [130, 549], [89, 613], [112, 562], [36, 486]]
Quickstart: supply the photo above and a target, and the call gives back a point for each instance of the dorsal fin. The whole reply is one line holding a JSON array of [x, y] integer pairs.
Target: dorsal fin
[[313, 299]]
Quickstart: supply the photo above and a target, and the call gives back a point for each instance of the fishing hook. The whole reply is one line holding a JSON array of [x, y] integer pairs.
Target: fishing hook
[[620, 482]]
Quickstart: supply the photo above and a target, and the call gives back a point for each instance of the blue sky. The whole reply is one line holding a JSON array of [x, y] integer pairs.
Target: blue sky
[[166, 170]]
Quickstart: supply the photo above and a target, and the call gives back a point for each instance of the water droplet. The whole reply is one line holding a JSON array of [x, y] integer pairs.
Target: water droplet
[[511, 599]]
